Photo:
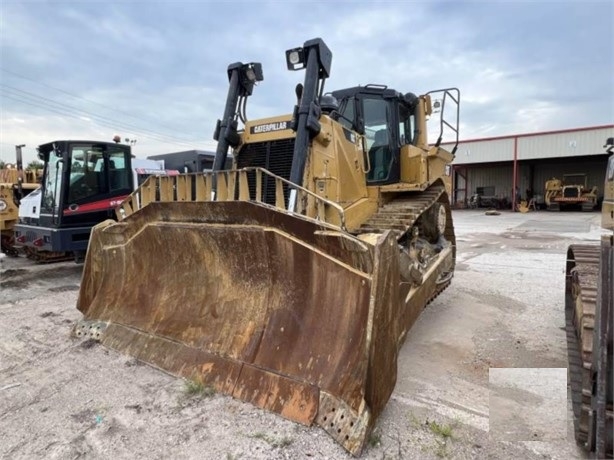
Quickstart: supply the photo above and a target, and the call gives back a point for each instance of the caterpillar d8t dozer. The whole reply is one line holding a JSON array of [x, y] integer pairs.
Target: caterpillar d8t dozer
[[589, 308], [291, 280]]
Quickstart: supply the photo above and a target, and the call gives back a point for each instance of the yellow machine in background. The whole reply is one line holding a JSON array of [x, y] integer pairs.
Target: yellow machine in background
[[571, 191], [291, 280], [15, 183], [589, 313]]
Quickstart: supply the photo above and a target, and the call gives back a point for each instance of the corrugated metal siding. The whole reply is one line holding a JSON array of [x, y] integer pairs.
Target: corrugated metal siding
[[499, 177], [559, 145], [555, 145], [484, 152]]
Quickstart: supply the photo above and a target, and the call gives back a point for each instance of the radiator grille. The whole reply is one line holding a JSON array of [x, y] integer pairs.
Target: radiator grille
[[274, 156], [571, 192]]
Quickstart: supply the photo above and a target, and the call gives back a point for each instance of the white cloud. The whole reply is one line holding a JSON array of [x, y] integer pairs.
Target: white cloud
[[159, 73], [16, 27], [114, 26]]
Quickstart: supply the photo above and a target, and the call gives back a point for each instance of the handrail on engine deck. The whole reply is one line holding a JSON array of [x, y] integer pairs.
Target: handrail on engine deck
[[198, 187]]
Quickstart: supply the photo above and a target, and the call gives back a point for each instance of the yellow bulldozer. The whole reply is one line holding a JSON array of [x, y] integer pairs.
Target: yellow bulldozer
[[291, 280], [589, 309], [15, 183], [572, 191]]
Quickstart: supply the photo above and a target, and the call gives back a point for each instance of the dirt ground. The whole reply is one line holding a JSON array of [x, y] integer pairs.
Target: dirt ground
[[66, 398]]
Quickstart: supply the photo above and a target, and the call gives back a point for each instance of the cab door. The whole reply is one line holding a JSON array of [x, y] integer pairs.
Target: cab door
[[52, 185], [379, 119]]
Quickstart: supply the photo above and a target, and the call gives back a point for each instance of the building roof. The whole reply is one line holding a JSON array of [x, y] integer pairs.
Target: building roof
[[562, 143], [538, 133]]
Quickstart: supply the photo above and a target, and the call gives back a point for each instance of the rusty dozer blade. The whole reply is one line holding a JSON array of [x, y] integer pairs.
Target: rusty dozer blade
[[278, 310]]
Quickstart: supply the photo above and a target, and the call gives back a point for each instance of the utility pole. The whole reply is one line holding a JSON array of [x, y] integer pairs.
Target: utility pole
[[19, 159]]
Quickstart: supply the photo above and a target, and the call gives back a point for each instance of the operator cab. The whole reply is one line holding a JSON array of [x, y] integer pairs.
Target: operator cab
[[82, 183], [386, 118], [79, 173]]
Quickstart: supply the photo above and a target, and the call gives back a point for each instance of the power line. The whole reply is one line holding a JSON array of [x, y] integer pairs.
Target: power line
[[121, 125], [88, 100], [98, 122], [59, 110]]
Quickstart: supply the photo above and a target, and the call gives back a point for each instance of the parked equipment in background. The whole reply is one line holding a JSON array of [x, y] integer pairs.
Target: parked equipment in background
[[291, 280], [492, 202], [589, 308], [82, 184], [189, 161], [15, 184], [571, 191]]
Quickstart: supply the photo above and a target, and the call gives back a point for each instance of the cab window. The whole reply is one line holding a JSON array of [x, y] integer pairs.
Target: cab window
[[377, 136], [348, 113], [119, 173], [406, 125], [52, 183], [97, 169], [86, 179]]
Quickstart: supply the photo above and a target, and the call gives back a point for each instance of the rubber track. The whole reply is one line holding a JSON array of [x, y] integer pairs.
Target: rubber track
[[581, 280]]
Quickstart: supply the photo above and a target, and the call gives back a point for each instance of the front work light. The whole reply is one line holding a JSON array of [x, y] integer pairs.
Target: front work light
[[247, 75], [295, 59], [253, 72]]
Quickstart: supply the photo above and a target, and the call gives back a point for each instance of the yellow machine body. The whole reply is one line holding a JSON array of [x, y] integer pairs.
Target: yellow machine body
[[294, 296], [9, 207]]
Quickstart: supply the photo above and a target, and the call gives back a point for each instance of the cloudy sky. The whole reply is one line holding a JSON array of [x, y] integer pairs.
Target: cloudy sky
[[156, 71]]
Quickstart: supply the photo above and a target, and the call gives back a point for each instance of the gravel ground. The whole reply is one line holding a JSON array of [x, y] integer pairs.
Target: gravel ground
[[65, 398], [528, 404]]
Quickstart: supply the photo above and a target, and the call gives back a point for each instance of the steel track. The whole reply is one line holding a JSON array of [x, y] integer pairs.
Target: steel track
[[401, 214], [47, 257], [580, 304]]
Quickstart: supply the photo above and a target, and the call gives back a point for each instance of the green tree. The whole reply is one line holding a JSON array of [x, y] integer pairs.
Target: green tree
[[35, 164], [2, 164]]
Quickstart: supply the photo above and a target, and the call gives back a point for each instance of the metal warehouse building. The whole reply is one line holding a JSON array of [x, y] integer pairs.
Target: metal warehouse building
[[506, 166], [187, 161]]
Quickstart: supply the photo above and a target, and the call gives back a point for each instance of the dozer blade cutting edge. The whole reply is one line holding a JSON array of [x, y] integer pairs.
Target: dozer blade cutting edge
[[275, 309]]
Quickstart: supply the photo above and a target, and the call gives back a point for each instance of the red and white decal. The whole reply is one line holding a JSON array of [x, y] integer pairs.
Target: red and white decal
[[101, 205]]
